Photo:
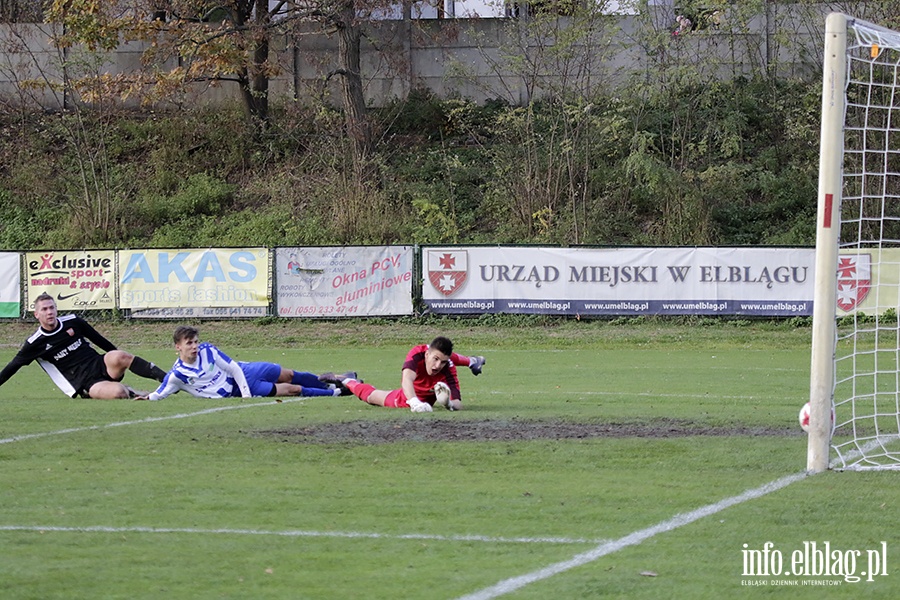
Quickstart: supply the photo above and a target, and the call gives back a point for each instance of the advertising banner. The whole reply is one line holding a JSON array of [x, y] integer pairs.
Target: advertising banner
[[216, 282], [619, 281], [10, 277], [344, 281], [77, 279], [868, 281]]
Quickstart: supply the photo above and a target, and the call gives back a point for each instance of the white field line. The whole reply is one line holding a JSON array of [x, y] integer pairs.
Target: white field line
[[207, 411], [287, 533], [514, 583], [304, 533], [502, 588]]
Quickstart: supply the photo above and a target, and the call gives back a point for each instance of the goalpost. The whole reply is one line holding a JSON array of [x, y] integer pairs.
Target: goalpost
[[855, 370]]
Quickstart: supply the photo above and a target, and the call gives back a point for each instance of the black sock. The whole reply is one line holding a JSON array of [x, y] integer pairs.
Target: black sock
[[141, 367]]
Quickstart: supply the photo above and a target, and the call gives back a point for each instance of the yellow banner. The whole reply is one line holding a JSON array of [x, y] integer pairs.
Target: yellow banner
[[194, 278], [77, 279]]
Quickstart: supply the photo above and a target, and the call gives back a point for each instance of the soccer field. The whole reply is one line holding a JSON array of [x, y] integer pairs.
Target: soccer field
[[593, 460]]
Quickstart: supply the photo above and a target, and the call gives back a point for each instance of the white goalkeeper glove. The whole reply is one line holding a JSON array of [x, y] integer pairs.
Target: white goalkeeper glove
[[417, 406]]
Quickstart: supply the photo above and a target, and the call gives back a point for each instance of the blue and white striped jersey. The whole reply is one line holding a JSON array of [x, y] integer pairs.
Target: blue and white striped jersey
[[214, 375]]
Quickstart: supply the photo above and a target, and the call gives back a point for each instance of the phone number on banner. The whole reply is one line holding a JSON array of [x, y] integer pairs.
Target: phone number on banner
[[313, 311]]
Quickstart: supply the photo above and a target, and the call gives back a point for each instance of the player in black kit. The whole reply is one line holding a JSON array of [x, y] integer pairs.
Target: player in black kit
[[61, 345]]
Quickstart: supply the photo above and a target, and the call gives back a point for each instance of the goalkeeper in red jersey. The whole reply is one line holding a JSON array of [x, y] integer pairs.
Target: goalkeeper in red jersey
[[425, 366]]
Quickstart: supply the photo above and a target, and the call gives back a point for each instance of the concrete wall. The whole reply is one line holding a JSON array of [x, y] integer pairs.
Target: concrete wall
[[464, 58]]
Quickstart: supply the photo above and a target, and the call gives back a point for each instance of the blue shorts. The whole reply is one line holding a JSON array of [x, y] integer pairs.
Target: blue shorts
[[261, 377]]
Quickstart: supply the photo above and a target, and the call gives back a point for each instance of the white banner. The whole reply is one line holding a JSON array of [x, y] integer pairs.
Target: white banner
[[10, 278], [619, 281], [347, 281]]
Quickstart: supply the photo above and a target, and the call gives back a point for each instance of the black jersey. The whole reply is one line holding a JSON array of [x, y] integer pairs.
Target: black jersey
[[63, 353]]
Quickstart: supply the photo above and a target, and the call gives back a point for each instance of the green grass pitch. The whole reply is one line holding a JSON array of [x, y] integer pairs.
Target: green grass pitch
[[594, 460]]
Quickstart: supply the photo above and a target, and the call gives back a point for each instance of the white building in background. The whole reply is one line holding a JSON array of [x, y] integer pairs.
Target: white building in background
[[485, 9], [493, 9]]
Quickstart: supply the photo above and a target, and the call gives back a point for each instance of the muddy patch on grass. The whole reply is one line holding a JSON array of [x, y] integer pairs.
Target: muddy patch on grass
[[451, 430]]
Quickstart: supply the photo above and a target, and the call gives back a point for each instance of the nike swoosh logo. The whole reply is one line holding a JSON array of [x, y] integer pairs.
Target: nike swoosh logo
[[61, 297]]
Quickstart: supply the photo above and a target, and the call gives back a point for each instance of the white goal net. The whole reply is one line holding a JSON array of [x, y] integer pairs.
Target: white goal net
[[857, 405]]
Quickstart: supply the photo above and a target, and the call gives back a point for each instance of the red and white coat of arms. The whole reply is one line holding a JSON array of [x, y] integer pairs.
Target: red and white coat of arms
[[447, 270], [854, 280]]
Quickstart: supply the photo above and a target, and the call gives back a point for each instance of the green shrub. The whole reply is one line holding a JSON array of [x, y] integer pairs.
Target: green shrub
[[197, 195], [730, 163], [420, 113], [22, 227]]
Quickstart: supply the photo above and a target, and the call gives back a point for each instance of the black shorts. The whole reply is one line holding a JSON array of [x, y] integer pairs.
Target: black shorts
[[87, 374]]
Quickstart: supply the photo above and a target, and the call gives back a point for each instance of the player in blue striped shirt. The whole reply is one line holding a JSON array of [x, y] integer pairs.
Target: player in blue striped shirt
[[206, 372]]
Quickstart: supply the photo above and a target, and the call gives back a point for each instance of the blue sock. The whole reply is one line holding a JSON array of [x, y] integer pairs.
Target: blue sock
[[308, 380], [309, 391]]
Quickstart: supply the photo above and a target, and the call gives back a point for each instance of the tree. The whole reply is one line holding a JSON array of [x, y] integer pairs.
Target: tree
[[551, 61], [88, 184], [20, 11], [214, 41]]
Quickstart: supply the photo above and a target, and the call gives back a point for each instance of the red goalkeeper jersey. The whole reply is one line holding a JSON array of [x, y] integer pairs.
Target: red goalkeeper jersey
[[424, 383]]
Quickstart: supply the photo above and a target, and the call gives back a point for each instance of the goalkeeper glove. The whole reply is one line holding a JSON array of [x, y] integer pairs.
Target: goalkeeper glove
[[417, 406], [476, 363]]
